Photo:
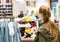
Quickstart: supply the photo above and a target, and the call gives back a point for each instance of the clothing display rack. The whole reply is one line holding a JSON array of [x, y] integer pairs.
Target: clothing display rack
[[7, 17]]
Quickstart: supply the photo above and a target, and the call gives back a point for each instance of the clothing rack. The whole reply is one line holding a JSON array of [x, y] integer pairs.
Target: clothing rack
[[7, 17]]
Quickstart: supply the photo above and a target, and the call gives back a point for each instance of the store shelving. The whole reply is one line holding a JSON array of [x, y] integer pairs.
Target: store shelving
[[6, 7]]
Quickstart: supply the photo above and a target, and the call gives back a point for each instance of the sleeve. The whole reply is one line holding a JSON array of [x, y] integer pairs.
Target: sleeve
[[45, 33], [24, 25], [36, 37]]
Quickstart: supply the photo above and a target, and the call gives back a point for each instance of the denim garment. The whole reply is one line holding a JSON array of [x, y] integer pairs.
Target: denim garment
[[4, 31], [16, 37]]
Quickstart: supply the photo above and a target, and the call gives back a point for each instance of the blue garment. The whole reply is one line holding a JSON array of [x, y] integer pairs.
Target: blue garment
[[16, 37], [4, 31], [0, 31]]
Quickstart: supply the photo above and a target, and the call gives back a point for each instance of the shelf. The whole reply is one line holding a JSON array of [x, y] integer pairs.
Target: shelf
[[2, 8], [8, 13], [7, 17], [8, 3], [7, 9], [27, 39]]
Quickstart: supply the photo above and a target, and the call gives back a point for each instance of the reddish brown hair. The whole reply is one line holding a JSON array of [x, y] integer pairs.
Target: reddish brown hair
[[52, 27], [45, 11]]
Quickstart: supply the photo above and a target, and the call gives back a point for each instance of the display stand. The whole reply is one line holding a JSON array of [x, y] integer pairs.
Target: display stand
[[27, 39]]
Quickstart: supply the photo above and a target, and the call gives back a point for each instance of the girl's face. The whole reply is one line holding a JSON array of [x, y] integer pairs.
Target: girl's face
[[41, 16]]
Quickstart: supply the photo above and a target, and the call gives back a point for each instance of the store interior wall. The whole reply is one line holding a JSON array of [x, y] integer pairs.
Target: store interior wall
[[21, 5], [18, 6]]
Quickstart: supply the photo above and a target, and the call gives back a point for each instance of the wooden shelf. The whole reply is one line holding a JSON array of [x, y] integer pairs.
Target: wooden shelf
[[27, 39], [7, 17], [2, 8]]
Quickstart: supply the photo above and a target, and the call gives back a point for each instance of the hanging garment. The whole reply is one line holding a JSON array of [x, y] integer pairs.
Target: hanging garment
[[4, 35], [7, 37], [14, 32], [0, 31], [16, 37], [11, 29]]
